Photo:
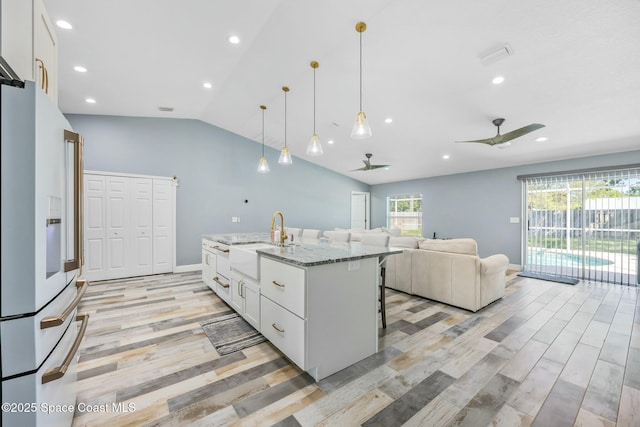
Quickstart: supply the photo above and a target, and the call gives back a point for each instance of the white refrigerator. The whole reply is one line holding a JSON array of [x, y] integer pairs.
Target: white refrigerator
[[40, 329]]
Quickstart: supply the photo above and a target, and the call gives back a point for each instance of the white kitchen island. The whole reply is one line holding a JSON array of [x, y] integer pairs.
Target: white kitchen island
[[318, 300]]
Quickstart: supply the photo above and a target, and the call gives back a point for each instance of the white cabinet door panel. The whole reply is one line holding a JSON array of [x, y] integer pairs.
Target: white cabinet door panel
[[142, 226], [94, 228], [118, 202], [162, 226]]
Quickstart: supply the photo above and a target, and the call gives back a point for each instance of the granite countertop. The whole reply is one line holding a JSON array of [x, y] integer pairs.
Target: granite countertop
[[318, 252], [305, 253], [239, 238]]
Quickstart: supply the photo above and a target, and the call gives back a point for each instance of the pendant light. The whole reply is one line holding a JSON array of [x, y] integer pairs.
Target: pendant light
[[314, 148], [285, 156], [361, 127], [263, 166]]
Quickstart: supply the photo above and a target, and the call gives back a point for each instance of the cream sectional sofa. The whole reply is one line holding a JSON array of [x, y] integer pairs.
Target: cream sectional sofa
[[448, 271]]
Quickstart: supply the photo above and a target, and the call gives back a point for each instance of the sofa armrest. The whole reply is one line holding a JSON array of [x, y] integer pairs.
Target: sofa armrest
[[494, 264]]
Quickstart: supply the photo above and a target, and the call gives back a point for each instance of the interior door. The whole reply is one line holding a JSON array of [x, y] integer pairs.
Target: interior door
[[94, 227], [141, 226], [162, 226], [360, 209], [117, 215]]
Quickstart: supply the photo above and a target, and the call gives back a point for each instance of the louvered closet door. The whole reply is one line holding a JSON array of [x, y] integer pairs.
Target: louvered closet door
[[162, 226], [118, 233], [141, 261], [94, 228]]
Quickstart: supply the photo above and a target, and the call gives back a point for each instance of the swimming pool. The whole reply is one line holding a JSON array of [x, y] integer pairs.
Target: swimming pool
[[565, 259]]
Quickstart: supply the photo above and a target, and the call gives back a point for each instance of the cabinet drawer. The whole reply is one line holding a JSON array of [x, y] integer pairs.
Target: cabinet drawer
[[283, 284], [222, 266], [284, 329], [223, 288]]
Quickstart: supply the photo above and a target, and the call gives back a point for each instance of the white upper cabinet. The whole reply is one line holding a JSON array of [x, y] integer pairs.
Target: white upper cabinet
[[29, 41]]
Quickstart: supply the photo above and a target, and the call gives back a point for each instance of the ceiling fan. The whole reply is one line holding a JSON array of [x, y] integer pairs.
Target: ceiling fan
[[502, 139], [368, 166]]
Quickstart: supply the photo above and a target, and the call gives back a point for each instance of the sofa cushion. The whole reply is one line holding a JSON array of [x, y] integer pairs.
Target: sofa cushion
[[404, 242], [456, 246]]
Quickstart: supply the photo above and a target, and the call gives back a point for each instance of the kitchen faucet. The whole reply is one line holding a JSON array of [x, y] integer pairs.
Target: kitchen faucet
[[283, 235]]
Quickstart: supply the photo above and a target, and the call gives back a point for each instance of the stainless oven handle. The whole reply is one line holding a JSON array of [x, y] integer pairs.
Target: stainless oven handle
[[57, 373], [53, 321]]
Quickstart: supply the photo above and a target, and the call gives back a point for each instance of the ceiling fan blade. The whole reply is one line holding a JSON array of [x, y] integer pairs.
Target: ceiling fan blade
[[360, 169], [380, 166], [518, 133], [481, 141], [501, 139]]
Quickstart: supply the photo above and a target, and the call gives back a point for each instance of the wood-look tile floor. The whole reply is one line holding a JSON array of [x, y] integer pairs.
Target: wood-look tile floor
[[547, 354]]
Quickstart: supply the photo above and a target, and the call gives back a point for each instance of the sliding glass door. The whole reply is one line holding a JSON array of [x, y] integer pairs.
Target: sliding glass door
[[584, 226]]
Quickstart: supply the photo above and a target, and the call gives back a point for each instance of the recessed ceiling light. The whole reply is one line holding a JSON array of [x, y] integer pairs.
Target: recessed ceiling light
[[90, 101], [80, 69], [207, 85], [388, 120], [497, 80], [541, 139], [64, 24], [446, 157], [330, 142], [233, 39]]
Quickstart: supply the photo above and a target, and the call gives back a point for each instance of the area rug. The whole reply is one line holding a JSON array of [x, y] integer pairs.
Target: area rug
[[231, 333], [550, 278]]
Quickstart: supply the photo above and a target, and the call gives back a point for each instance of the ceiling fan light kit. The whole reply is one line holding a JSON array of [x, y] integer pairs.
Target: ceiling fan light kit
[[361, 128], [504, 139]]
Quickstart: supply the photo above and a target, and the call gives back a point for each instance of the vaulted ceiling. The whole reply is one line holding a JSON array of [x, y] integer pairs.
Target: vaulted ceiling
[[574, 65]]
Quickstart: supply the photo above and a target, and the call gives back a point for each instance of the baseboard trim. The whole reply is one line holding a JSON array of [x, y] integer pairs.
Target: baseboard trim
[[515, 267], [187, 268]]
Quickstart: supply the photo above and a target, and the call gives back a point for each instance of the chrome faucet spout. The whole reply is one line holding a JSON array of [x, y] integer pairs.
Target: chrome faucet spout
[[283, 234]]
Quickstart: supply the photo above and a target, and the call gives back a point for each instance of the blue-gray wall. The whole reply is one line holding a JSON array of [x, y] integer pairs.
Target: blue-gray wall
[[216, 170], [479, 204]]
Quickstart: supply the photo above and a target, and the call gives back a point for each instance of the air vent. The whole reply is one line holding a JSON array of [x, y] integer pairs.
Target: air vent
[[165, 108], [496, 54]]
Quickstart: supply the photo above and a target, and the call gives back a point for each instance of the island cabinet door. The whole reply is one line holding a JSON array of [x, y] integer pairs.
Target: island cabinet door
[[235, 293], [251, 294]]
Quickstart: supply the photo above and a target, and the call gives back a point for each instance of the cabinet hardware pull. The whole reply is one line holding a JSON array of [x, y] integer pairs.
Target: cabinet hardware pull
[[53, 321], [217, 280], [207, 259], [276, 328], [277, 284], [57, 373], [240, 283], [221, 250]]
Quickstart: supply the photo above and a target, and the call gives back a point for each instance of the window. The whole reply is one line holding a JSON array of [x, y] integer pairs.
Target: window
[[405, 212]]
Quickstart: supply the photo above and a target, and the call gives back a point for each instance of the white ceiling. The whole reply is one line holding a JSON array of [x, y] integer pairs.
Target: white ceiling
[[575, 67]]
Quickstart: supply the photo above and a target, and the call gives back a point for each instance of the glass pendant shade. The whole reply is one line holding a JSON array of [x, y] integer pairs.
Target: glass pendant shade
[[263, 166], [285, 157], [361, 128], [314, 148]]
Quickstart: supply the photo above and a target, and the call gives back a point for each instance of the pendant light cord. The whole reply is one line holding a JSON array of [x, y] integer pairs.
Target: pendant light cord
[[263, 133], [285, 119], [314, 100], [360, 71]]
